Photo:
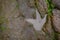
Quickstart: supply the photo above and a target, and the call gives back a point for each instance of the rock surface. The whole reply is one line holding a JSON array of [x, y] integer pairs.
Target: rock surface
[[56, 3], [17, 28], [56, 22], [42, 7], [56, 19]]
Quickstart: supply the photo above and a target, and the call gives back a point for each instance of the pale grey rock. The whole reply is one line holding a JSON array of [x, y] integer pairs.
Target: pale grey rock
[[38, 23]]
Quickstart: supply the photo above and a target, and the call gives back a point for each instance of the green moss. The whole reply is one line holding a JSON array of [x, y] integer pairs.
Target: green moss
[[2, 28], [49, 11], [2, 21], [50, 7]]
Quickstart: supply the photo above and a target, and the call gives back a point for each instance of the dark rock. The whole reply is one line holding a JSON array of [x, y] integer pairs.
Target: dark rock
[[56, 3]]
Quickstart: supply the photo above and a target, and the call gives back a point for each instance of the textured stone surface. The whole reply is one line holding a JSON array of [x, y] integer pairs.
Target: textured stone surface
[[56, 3], [17, 28], [49, 33], [56, 19], [42, 7], [27, 7], [58, 35]]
